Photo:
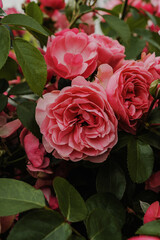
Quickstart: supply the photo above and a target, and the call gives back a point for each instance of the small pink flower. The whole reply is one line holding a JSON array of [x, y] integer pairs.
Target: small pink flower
[[77, 122], [144, 237], [88, 24], [9, 128], [35, 152], [109, 51], [152, 213], [128, 93], [71, 54], [60, 19], [153, 183], [55, 4], [1, 4]]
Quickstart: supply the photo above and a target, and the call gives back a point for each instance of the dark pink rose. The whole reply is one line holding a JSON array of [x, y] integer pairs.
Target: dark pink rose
[[35, 152], [153, 183], [128, 94], [77, 122], [152, 213], [69, 55], [55, 4], [1, 4], [109, 51], [144, 237]]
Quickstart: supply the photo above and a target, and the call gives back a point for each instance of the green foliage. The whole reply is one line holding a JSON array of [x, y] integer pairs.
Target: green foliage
[[4, 45], [100, 224], [140, 160], [9, 70], [3, 85], [107, 201], [17, 196], [29, 58], [151, 229], [20, 89], [26, 114], [25, 21], [119, 26], [34, 11], [70, 202], [111, 179], [133, 52], [41, 225], [3, 101]]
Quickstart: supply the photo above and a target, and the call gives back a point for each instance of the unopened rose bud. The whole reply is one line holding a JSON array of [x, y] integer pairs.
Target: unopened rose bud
[[155, 89]]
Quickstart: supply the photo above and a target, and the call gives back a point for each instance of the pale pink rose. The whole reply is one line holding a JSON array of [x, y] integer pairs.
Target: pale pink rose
[[70, 55], [152, 64], [88, 24], [55, 4], [144, 237], [109, 51], [60, 19], [1, 4], [104, 73], [152, 213], [128, 94], [153, 183], [35, 152], [77, 122], [9, 128]]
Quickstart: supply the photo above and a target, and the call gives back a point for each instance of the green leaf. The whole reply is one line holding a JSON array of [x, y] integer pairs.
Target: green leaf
[[84, 9], [22, 20], [2, 13], [151, 229], [4, 45], [9, 70], [111, 179], [133, 52], [110, 202], [118, 26], [3, 101], [144, 206], [139, 22], [100, 224], [3, 85], [17, 196], [20, 89], [151, 139], [140, 160], [32, 63], [74, 237], [26, 114], [34, 11], [41, 225], [70, 201]]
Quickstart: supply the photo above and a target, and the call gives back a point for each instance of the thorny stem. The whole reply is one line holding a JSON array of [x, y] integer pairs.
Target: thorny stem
[[124, 8]]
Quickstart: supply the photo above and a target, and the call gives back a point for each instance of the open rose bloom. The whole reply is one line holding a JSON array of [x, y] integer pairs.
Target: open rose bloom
[[78, 122]]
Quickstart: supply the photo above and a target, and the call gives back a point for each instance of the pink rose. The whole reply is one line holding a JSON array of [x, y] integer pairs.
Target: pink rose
[[153, 183], [35, 152], [69, 55], [152, 213], [152, 64], [9, 128], [144, 237], [1, 4], [77, 122], [60, 19], [55, 4], [109, 51], [128, 94], [88, 24]]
